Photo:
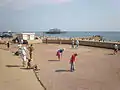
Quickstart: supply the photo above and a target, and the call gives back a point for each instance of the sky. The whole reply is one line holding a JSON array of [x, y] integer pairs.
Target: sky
[[70, 15]]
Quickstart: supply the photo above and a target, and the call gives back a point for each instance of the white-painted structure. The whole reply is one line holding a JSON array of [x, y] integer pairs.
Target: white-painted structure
[[27, 36]]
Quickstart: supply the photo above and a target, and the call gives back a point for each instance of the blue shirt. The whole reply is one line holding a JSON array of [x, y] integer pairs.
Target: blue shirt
[[61, 50]]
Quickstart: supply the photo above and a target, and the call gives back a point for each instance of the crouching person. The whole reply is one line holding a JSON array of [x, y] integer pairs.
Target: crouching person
[[31, 65]]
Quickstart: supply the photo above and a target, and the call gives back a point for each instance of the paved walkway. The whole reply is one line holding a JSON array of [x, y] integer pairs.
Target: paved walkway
[[96, 68], [15, 77]]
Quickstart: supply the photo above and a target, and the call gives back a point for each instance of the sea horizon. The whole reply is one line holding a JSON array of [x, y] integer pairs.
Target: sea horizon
[[107, 35]]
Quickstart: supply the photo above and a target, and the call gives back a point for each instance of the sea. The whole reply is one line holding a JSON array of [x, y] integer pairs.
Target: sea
[[107, 36]]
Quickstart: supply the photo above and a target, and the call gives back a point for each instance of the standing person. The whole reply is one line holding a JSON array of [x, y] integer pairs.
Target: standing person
[[115, 49], [23, 55], [31, 51], [8, 44], [46, 40], [21, 41], [31, 65], [59, 53], [73, 43], [77, 43], [20, 49], [72, 60]]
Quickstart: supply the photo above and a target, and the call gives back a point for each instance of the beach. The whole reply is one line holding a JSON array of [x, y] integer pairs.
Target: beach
[[95, 69]]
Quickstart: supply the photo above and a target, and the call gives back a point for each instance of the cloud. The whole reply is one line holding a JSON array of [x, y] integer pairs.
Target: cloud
[[21, 4]]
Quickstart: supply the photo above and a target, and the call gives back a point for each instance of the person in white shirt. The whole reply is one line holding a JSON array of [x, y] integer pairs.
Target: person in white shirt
[[77, 43], [19, 48], [115, 49], [21, 41], [23, 54]]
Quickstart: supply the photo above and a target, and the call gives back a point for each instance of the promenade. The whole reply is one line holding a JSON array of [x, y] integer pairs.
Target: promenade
[[96, 69], [15, 77]]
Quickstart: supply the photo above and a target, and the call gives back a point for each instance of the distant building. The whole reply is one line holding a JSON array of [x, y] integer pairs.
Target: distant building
[[26, 36]]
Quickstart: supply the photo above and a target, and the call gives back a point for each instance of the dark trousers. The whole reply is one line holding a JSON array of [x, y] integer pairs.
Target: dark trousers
[[30, 56], [8, 46], [72, 67], [72, 45], [77, 45]]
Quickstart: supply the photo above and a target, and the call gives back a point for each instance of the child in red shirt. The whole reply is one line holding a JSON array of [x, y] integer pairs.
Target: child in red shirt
[[72, 60]]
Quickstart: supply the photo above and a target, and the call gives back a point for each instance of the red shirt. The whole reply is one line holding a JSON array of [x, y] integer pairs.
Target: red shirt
[[73, 58]]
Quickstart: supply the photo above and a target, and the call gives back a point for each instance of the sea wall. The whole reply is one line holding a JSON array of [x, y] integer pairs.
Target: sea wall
[[109, 45], [35, 41]]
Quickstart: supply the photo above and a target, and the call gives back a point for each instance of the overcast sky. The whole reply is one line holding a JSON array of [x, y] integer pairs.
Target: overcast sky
[[78, 15]]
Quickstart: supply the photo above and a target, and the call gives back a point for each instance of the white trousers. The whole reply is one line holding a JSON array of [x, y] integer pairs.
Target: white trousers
[[24, 57]]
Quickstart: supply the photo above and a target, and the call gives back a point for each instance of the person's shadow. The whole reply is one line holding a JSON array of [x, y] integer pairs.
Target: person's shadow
[[4, 49], [110, 54], [9, 66], [26, 68], [62, 70], [53, 60]]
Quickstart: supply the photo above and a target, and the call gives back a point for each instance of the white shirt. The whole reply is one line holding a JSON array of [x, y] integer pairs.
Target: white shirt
[[23, 50], [22, 41], [72, 41], [116, 46], [77, 42]]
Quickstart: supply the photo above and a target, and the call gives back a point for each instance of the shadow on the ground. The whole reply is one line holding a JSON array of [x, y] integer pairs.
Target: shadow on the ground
[[4, 49], [13, 66], [61, 70], [110, 54], [29, 69], [13, 51], [26, 68], [53, 60]]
